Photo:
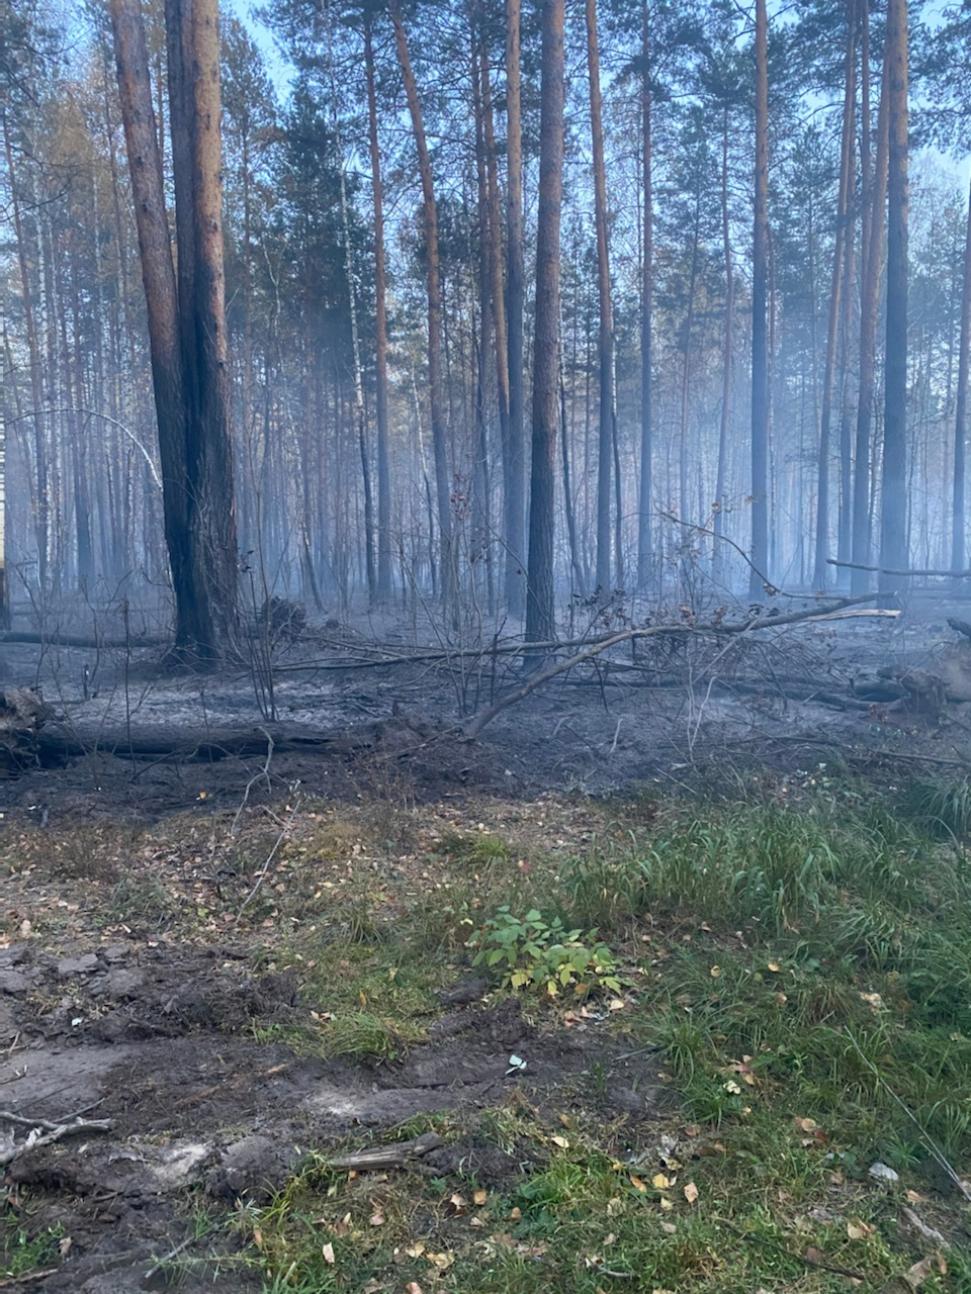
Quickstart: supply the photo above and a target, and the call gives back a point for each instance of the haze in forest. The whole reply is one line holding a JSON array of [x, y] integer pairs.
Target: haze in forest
[[489, 309]]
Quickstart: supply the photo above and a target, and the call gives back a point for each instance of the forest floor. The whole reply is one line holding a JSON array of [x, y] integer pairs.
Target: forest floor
[[755, 1074]]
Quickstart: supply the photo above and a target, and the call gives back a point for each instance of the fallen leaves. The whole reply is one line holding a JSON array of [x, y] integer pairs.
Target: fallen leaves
[[857, 1230], [690, 1192]]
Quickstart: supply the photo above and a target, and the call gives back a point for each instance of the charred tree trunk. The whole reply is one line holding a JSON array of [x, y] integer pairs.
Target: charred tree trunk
[[540, 618]]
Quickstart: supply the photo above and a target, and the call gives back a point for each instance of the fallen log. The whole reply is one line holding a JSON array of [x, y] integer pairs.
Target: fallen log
[[205, 745], [88, 643]]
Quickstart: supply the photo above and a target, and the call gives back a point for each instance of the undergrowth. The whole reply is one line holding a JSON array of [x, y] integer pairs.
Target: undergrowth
[[805, 976]]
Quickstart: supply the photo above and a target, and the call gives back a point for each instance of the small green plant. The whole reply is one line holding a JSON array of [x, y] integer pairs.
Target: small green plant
[[530, 953]]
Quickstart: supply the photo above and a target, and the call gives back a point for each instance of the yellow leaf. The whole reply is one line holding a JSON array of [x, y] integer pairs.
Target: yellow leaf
[[774, 967], [857, 1230], [666, 1204], [660, 1181], [638, 1183], [328, 1254], [479, 1197], [715, 972], [442, 1261], [561, 1142], [416, 1250], [691, 1192]]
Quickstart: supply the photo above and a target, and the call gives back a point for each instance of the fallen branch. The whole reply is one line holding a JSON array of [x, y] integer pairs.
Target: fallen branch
[[396, 1155], [44, 1133], [887, 570], [541, 676]]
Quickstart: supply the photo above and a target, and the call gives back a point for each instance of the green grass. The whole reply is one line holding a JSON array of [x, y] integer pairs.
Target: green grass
[[23, 1250], [806, 973]]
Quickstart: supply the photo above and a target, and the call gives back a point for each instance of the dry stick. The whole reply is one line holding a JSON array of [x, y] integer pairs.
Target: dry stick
[[484, 717], [778, 1245], [928, 1140], [261, 875], [54, 1132], [263, 773], [28, 1278]]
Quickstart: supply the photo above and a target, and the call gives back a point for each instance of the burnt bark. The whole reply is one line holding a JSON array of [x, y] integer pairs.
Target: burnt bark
[[540, 619]]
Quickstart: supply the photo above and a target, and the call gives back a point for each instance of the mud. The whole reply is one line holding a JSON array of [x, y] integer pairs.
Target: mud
[[155, 1040]]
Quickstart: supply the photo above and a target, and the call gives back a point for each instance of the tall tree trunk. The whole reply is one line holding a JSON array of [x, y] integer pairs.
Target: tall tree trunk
[[514, 485], [434, 288], [540, 618], [869, 310], [726, 409], [187, 330], [42, 489], [380, 332], [760, 339], [360, 411], [605, 336], [820, 568], [958, 519], [893, 512], [644, 549], [192, 35], [161, 300]]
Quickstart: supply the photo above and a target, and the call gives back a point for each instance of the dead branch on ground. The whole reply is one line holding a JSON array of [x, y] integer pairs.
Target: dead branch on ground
[[536, 679], [43, 1132]]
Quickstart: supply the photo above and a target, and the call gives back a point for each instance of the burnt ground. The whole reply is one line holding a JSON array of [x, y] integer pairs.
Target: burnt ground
[[142, 973], [156, 1040]]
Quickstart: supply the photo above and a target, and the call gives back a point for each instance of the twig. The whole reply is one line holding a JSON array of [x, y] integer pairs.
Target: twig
[[28, 1278], [261, 875], [936, 1152], [263, 773], [167, 1258], [771, 1241]]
